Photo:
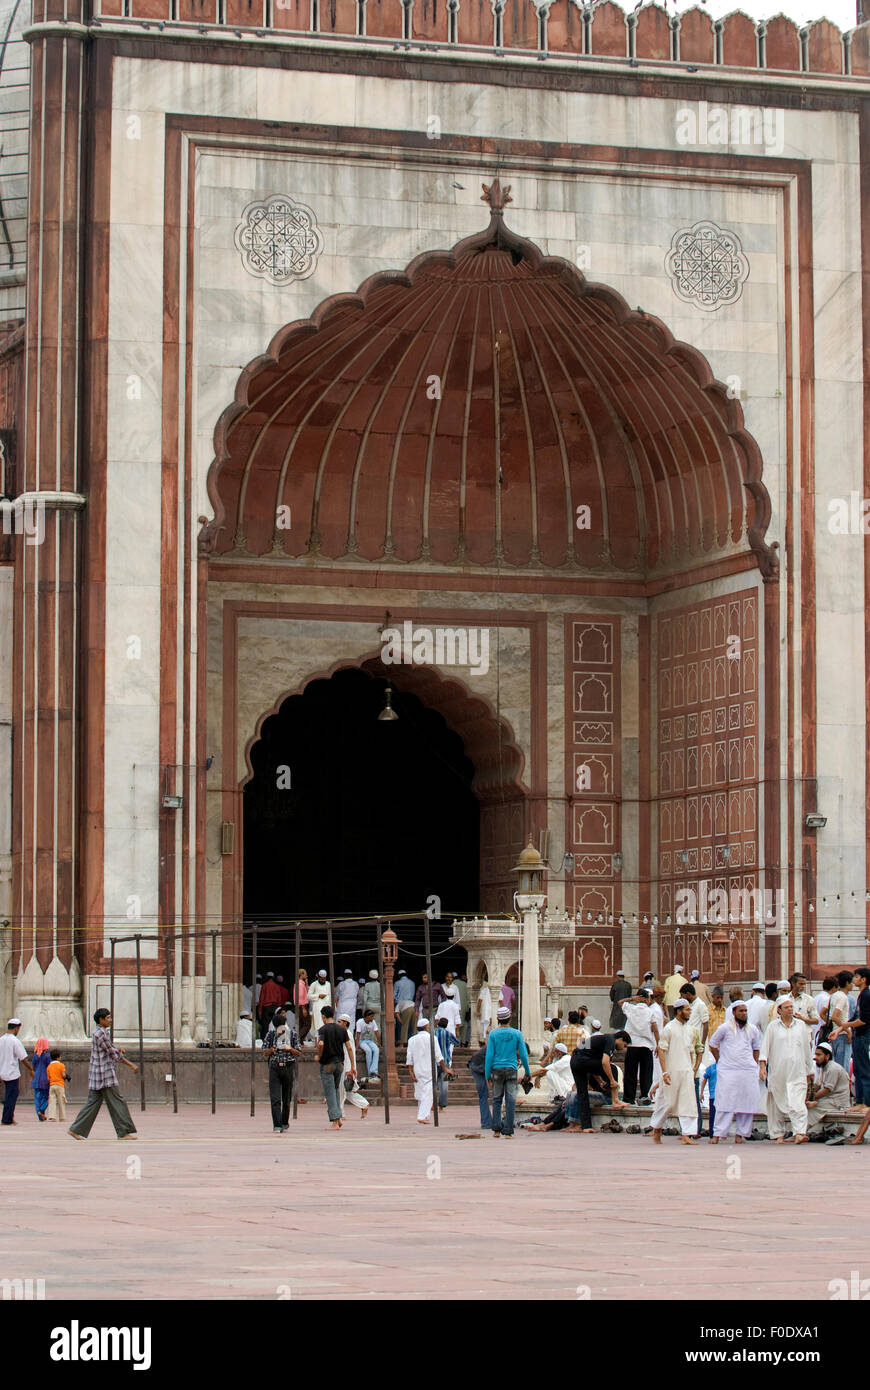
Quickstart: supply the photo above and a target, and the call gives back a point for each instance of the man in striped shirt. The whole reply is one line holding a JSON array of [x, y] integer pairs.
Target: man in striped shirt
[[103, 1084]]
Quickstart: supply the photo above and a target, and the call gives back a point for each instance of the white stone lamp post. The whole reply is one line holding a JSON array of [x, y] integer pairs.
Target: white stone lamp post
[[530, 898]]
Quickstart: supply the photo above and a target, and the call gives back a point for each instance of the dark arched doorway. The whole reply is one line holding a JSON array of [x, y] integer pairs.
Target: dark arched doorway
[[378, 815]]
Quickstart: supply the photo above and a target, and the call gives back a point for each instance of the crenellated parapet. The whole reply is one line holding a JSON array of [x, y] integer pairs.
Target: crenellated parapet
[[557, 29]]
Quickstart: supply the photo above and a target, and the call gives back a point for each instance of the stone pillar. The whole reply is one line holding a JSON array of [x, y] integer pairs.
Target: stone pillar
[[530, 1021], [47, 637]]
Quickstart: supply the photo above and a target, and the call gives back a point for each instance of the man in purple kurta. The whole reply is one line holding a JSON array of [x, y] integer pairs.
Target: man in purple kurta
[[735, 1046]]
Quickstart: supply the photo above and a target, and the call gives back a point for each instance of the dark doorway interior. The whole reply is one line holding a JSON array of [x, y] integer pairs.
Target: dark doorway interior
[[377, 816]]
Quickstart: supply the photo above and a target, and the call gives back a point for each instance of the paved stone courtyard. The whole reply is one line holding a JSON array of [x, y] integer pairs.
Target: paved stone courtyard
[[224, 1209]]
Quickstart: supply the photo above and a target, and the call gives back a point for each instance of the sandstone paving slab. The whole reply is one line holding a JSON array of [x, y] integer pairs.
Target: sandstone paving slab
[[221, 1209]]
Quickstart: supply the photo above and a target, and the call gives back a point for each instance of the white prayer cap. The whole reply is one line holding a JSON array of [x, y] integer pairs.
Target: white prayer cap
[[695, 975], [596, 1023], [270, 973], [361, 980], [783, 984], [620, 972], [321, 974], [758, 985], [14, 1023], [348, 972], [344, 1018], [560, 1047], [403, 972], [503, 1012], [646, 992], [824, 1047], [373, 974], [678, 968], [648, 975], [423, 1022]]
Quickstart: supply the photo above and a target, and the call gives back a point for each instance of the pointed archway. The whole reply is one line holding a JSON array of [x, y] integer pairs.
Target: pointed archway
[[347, 814]]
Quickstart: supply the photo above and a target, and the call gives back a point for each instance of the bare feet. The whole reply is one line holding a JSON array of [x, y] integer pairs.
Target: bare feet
[[363, 1113], [713, 1139], [779, 1141], [687, 1139], [802, 1139], [657, 1136], [422, 1122], [738, 1139]]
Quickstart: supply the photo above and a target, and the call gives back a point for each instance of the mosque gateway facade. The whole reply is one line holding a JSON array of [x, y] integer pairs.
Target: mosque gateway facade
[[501, 366]]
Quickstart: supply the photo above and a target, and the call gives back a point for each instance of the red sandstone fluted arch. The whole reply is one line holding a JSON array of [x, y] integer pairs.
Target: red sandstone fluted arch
[[553, 394]]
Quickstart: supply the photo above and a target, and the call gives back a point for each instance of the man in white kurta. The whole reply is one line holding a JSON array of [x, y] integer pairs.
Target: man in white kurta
[[345, 996], [484, 1013], [319, 995], [735, 1046], [419, 1060], [558, 1076], [679, 1055], [787, 1064], [657, 1015]]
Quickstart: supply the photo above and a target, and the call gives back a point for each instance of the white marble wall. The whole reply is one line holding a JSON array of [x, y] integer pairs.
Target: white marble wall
[[379, 213]]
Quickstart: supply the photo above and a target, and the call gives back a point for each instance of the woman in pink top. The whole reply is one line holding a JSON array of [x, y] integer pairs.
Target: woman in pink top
[[300, 998]]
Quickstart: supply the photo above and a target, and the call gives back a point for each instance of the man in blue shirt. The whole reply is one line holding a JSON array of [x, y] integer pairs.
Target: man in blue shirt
[[406, 1014], [505, 1047]]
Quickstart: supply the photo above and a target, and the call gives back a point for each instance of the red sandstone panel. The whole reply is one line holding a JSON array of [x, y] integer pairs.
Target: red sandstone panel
[[246, 14], [116, 7], [429, 20], [154, 9], [860, 51], [292, 14], [609, 34], [782, 48], [338, 16], [653, 35], [824, 47], [520, 25], [739, 46], [198, 11], [707, 768], [565, 28], [475, 23], [593, 785], [384, 19], [696, 37]]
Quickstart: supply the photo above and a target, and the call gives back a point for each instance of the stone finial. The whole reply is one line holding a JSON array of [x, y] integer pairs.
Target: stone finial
[[496, 196]]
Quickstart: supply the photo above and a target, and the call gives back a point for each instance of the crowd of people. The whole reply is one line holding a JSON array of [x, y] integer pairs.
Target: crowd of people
[[674, 1046], [782, 1052]]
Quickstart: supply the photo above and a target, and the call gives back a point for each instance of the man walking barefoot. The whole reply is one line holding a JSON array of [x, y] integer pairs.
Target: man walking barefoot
[[103, 1084]]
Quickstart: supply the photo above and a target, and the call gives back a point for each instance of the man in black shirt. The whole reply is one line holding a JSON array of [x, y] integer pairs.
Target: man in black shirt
[[594, 1060], [332, 1042], [859, 1032], [281, 1048]]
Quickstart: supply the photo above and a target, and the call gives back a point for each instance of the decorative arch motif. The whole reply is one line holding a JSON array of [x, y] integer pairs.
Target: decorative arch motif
[[463, 410], [490, 743]]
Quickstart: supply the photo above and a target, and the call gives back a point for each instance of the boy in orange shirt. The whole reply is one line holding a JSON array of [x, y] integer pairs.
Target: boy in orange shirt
[[57, 1076]]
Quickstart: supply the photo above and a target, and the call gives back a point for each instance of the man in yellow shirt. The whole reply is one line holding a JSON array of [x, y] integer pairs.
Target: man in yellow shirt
[[673, 984]]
